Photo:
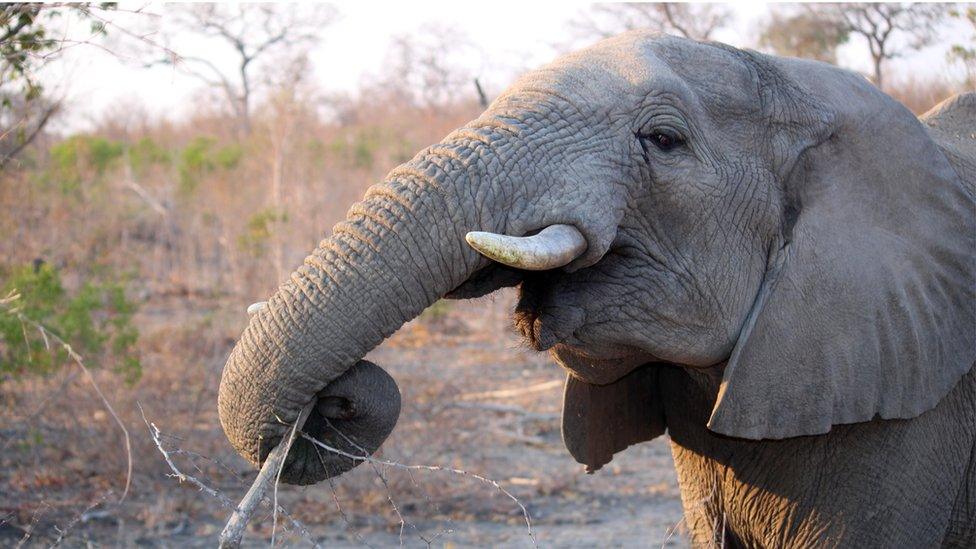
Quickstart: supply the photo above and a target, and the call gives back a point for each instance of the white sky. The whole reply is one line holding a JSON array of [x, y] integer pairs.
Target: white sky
[[509, 36]]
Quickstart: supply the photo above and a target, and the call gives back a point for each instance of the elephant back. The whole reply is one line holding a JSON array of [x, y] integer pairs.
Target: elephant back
[[952, 124]]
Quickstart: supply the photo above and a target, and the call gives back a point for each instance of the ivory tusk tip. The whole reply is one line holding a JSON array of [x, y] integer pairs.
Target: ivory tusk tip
[[494, 247], [553, 247]]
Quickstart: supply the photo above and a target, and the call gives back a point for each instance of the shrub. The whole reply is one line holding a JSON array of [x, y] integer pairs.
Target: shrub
[[200, 158], [96, 320], [228, 157], [437, 312], [102, 153], [358, 150], [364, 149], [258, 231], [145, 153], [82, 158], [195, 162]]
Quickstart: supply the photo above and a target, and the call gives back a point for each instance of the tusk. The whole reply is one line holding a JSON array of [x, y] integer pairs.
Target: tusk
[[554, 247], [253, 308]]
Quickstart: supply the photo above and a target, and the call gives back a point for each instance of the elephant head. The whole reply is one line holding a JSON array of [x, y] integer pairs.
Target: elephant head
[[656, 200]]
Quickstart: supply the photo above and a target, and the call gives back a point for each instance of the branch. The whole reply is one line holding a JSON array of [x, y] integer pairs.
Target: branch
[[62, 534], [267, 44], [155, 434], [271, 471], [482, 98], [669, 15], [435, 468], [16, 29], [145, 196], [48, 113]]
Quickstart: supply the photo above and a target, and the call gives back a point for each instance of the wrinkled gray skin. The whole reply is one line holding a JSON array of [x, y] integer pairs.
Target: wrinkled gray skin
[[789, 290]]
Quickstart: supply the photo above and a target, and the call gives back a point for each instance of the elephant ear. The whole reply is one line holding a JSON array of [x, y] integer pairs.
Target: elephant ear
[[601, 420], [867, 309]]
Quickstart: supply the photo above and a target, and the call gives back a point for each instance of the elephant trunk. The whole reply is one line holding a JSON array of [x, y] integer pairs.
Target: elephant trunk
[[401, 249], [398, 251]]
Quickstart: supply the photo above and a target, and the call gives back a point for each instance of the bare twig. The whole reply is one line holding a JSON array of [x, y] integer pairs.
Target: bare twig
[[62, 534], [302, 416], [156, 436], [271, 471], [435, 468], [389, 492], [35, 518], [342, 512], [141, 191], [482, 98], [31, 135], [180, 475]]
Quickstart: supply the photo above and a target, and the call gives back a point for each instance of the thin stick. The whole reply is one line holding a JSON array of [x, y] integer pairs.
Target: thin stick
[[436, 468], [234, 530], [157, 435]]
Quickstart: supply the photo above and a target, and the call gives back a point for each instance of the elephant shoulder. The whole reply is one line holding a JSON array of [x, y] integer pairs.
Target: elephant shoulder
[[952, 124]]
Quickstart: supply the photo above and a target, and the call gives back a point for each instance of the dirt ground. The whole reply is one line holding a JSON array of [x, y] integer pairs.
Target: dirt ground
[[473, 399]]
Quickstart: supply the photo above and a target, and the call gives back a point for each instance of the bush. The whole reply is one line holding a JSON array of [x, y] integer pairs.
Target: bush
[[259, 230], [96, 320], [199, 159], [228, 157], [359, 149], [195, 162], [82, 158], [145, 153]]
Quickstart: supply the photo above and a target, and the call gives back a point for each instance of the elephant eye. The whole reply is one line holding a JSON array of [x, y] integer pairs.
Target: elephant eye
[[664, 141]]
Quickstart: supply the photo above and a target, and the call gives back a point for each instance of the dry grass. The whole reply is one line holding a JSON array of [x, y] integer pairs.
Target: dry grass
[[920, 95]]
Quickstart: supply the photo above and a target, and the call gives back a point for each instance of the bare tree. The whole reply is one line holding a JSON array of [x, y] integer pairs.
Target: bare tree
[[430, 67], [802, 33], [253, 32], [287, 108], [697, 21], [889, 29]]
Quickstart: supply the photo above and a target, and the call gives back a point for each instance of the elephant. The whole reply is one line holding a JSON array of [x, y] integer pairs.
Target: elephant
[[767, 258]]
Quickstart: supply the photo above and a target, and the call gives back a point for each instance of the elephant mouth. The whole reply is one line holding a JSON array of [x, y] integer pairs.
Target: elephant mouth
[[546, 326], [487, 280], [600, 370]]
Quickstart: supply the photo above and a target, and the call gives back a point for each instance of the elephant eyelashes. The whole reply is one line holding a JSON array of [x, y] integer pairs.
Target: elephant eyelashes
[[664, 141]]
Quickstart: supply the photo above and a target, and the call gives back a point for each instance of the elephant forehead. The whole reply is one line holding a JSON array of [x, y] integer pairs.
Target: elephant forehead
[[723, 77], [616, 66], [637, 64]]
